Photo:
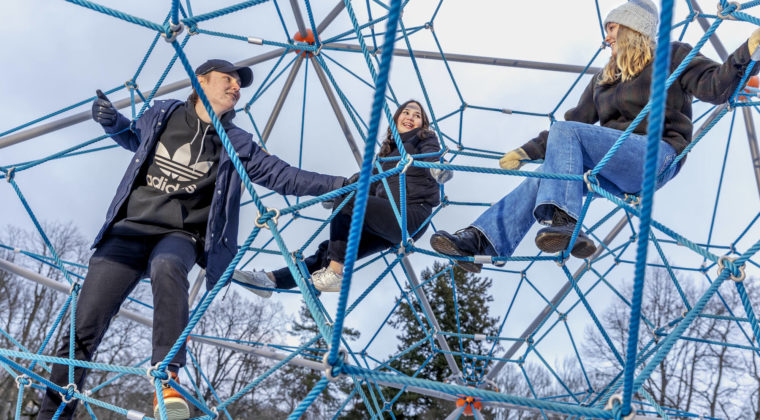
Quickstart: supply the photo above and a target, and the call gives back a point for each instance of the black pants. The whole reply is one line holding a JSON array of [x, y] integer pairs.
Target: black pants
[[115, 269], [380, 231]]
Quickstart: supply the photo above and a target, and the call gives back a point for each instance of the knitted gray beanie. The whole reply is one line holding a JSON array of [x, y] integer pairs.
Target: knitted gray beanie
[[639, 15]]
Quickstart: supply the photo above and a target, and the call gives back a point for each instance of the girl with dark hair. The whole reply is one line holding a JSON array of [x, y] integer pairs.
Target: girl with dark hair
[[381, 229], [613, 98]]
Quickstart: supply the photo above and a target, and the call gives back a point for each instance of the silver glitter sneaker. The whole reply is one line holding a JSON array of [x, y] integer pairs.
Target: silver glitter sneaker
[[258, 279], [326, 280]]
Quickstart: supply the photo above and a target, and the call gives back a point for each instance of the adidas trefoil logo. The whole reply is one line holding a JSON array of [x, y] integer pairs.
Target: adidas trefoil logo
[[177, 168]]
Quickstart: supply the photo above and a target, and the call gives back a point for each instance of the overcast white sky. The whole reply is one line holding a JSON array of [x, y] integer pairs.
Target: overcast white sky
[[57, 53]]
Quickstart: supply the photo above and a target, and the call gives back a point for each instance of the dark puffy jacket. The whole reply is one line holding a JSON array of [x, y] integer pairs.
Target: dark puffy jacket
[[616, 105], [222, 228], [421, 187]]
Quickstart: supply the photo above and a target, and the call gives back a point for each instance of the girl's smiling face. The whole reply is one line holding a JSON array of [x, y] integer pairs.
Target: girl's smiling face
[[409, 118]]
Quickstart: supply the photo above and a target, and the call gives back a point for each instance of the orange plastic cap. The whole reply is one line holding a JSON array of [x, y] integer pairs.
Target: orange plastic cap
[[468, 403], [754, 82], [308, 39]]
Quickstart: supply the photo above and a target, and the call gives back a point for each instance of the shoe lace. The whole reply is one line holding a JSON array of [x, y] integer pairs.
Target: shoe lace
[[560, 218]]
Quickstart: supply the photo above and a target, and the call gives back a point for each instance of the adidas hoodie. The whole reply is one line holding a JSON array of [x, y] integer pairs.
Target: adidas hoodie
[[174, 189]]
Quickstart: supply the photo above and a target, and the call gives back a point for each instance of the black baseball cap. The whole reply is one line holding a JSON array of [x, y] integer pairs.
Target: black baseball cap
[[246, 74]]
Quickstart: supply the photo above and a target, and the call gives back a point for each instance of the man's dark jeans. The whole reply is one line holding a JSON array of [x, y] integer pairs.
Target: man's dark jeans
[[115, 269]]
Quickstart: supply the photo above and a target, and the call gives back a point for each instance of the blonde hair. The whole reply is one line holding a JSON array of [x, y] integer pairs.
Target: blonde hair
[[634, 52]]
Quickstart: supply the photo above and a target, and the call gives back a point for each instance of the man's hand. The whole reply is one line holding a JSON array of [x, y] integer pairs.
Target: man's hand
[[513, 160], [329, 204], [350, 180], [103, 112]]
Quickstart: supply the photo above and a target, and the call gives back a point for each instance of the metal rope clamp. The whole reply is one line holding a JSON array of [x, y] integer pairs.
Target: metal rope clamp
[[71, 389], [263, 225], [588, 177], [611, 406], [22, 380], [562, 258], [149, 373], [130, 84], [722, 266], [728, 15], [175, 29], [75, 287], [329, 368], [407, 164], [402, 248], [9, 174]]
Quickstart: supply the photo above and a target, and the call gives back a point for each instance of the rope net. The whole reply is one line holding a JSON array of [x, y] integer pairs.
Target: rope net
[[546, 305]]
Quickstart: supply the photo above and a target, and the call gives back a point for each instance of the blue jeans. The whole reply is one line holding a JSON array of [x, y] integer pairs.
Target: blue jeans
[[572, 148]]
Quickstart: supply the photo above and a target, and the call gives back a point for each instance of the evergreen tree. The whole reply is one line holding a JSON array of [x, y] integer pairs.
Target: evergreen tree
[[472, 299], [298, 381]]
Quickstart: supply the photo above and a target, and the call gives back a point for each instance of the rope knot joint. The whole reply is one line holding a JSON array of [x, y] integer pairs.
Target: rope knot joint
[[71, 389], [171, 32], [615, 404], [407, 164], [22, 380], [153, 373], [736, 272], [332, 372], [590, 179], [10, 173], [75, 287], [727, 13], [270, 214]]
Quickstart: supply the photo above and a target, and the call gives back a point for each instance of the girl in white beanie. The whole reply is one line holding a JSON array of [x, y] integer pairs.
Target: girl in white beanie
[[613, 98]]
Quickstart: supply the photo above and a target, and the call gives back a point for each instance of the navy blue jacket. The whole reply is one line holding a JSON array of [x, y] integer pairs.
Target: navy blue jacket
[[222, 229]]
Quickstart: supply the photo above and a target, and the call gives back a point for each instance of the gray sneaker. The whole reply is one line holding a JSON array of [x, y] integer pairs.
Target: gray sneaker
[[326, 280], [258, 279]]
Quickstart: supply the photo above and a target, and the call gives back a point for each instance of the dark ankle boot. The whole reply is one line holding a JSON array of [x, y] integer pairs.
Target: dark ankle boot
[[463, 243], [556, 238]]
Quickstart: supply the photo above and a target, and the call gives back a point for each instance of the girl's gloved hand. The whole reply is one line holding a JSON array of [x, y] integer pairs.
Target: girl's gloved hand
[[514, 159]]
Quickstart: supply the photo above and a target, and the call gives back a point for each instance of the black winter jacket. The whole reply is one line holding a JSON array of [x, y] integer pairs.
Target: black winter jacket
[[421, 187], [616, 105]]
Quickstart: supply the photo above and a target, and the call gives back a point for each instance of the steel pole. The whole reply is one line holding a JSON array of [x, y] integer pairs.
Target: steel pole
[[412, 275], [472, 59], [299, 17], [336, 109], [331, 16], [77, 118], [281, 99]]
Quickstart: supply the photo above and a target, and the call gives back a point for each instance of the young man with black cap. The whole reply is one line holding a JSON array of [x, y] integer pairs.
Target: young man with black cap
[[177, 205]]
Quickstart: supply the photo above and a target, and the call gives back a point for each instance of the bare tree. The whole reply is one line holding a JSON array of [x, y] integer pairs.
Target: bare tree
[[28, 311], [227, 372], [702, 373]]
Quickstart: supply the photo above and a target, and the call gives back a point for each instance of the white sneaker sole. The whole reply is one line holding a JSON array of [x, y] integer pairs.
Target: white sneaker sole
[[329, 288], [176, 409]]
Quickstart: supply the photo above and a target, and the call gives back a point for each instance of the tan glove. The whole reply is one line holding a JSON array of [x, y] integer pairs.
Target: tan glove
[[513, 160], [754, 41]]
